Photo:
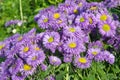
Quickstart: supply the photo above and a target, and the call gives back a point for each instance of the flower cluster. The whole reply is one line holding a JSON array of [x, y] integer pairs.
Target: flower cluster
[[76, 29]]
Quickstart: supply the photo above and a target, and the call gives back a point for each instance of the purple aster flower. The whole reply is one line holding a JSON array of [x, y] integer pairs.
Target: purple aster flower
[[111, 3], [73, 31], [103, 15], [107, 28], [96, 44], [94, 7], [73, 46], [82, 62], [57, 19], [67, 58], [82, 20], [25, 49], [93, 53], [13, 22], [67, 8], [43, 21], [110, 58], [15, 67], [51, 77], [36, 58], [92, 21], [27, 69], [54, 60], [115, 41], [70, 19], [43, 67], [51, 40], [18, 76]]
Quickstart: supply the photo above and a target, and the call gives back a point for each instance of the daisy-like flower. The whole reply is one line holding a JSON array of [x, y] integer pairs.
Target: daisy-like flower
[[82, 20], [36, 58], [94, 7], [25, 49], [54, 60], [72, 31], [43, 67], [73, 46], [107, 28], [43, 21], [51, 40], [57, 19], [27, 69], [18, 76], [15, 67], [67, 57], [82, 62], [103, 15], [92, 21], [13, 22], [110, 58], [93, 52], [67, 8], [96, 44]]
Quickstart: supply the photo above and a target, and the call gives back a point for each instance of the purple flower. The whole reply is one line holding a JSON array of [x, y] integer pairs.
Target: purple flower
[[27, 69], [93, 53], [43, 67], [73, 46], [18, 76], [67, 58], [82, 62], [51, 77], [54, 60], [110, 58], [43, 21], [15, 67], [107, 28], [82, 20], [103, 16], [73, 31], [96, 44], [51, 40], [36, 58], [13, 22]]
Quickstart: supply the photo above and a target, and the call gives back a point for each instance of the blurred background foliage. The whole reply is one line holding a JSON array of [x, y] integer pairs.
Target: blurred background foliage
[[11, 10]]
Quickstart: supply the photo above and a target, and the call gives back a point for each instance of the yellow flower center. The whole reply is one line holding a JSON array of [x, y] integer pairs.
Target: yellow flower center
[[27, 67], [26, 49], [93, 8], [82, 60], [56, 15], [80, 4], [94, 53], [2, 46], [82, 19], [37, 48], [34, 58], [90, 20], [72, 29], [45, 20], [106, 27], [20, 38], [75, 11], [103, 17], [72, 45], [50, 39]]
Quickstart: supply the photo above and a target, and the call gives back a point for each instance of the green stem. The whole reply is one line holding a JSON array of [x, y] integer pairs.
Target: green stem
[[67, 75], [21, 12]]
